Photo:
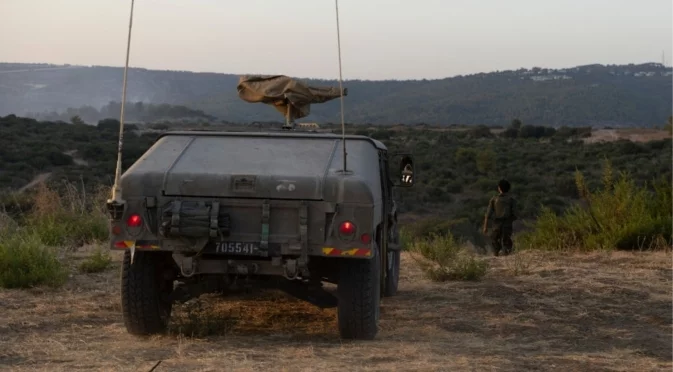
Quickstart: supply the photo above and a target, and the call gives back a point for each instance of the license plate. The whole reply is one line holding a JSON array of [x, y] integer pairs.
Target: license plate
[[240, 248]]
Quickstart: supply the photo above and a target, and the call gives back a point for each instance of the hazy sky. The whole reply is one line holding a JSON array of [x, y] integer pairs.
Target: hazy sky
[[381, 39]]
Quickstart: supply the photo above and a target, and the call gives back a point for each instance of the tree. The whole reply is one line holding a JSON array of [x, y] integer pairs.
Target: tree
[[516, 124], [486, 161], [510, 133], [76, 120], [481, 131], [527, 131], [109, 124]]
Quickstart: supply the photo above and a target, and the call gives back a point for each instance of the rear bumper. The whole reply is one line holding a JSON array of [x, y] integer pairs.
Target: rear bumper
[[277, 250]]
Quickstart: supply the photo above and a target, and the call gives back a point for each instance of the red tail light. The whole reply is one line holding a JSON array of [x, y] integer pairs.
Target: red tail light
[[347, 228], [365, 238], [134, 220]]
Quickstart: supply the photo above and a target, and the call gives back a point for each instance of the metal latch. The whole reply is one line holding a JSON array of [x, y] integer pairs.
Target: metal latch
[[214, 212], [303, 236], [175, 217], [264, 244]]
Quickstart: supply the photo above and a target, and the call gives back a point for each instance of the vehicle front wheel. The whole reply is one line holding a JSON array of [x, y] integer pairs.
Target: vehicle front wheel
[[359, 297], [146, 286]]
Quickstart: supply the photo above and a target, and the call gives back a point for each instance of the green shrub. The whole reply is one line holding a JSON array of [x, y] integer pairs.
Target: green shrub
[[621, 215], [429, 227], [444, 259], [62, 229], [97, 262], [26, 262], [69, 219]]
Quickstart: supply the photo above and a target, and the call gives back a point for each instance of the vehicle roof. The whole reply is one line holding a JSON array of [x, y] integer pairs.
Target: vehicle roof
[[307, 135]]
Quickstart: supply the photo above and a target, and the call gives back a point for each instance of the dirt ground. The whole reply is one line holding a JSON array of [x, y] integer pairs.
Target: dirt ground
[[597, 312]]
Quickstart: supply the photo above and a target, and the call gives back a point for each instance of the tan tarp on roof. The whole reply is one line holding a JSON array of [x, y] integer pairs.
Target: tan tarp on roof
[[280, 90]]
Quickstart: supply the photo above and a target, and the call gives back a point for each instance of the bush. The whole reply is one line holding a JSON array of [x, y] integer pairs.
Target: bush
[[619, 216], [67, 220], [481, 131], [382, 134], [429, 227], [97, 262], [109, 124], [41, 222], [26, 262], [446, 259]]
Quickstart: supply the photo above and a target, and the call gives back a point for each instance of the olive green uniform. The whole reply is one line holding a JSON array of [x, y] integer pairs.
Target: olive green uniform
[[501, 207]]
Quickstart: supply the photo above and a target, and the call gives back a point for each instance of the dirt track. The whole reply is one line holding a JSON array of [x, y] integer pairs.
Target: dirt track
[[584, 313]]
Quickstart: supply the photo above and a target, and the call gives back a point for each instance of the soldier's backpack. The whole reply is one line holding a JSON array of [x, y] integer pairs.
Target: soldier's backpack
[[503, 208]]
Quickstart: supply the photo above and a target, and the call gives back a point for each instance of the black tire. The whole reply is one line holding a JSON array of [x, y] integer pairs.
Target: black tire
[[392, 273], [359, 293], [145, 292]]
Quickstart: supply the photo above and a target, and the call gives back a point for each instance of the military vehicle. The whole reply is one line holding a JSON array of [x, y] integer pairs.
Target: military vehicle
[[207, 211]]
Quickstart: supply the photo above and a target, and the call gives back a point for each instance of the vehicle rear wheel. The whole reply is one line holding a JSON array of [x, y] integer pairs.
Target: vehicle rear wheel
[[392, 273], [359, 297], [146, 286]]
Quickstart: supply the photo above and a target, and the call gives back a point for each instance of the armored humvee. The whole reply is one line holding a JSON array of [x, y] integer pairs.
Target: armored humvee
[[215, 211], [208, 209]]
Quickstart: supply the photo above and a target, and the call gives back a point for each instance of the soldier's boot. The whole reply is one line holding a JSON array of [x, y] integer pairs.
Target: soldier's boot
[[496, 241], [507, 242]]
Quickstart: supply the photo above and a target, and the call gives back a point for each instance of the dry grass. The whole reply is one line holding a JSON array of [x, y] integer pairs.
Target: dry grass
[[591, 312]]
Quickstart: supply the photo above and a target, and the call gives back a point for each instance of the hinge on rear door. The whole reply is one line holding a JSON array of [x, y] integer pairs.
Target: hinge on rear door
[[214, 213], [175, 218], [264, 244], [303, 236]]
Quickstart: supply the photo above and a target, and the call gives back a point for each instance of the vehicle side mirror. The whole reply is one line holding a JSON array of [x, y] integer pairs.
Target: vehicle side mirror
[[406, 176]]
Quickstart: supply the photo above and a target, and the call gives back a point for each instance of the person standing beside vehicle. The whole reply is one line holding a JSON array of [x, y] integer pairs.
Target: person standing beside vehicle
[[501, 207]]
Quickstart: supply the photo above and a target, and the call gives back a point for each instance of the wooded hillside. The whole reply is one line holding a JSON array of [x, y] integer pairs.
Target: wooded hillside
[[625, 95]]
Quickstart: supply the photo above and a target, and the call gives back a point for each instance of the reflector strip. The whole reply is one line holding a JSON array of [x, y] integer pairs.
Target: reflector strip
[[358, 252], [138, 245]]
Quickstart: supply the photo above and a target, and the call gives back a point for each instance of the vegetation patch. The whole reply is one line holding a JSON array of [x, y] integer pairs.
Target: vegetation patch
[[42, 226], [69, 218], [443, 258], [619, 215], [25, 261], [99, 261]]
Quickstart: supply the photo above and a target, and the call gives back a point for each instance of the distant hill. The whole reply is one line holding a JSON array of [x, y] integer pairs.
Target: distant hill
[[597, 95], [134, 112]]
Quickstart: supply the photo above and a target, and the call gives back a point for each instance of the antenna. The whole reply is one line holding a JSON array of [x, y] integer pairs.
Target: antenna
[[663, 58], [341, 90], [117, 189]]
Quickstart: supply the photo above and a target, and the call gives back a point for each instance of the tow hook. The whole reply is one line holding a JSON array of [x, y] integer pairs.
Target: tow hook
[[244, 269], [187, 266], [290, 270]]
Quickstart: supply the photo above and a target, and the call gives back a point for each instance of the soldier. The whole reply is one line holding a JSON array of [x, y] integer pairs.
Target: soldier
[[501, 207]]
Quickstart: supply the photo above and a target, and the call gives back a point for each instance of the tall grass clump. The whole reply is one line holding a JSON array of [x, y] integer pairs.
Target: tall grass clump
[[444, 258], [99, 261], [42, 225], [620, 215], [459, 228], [68, 218], [25, 261]]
